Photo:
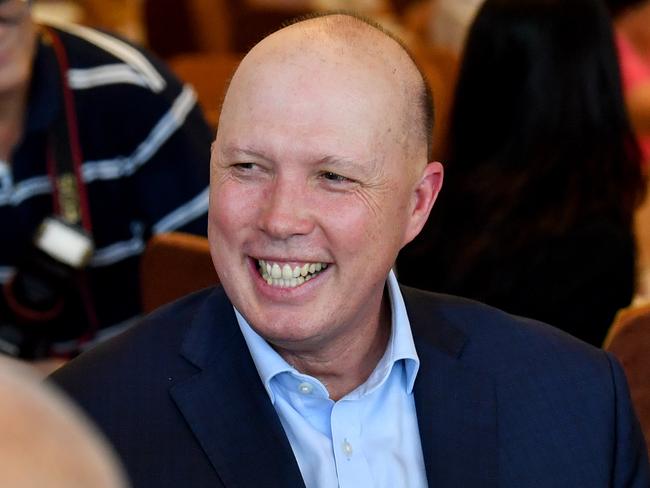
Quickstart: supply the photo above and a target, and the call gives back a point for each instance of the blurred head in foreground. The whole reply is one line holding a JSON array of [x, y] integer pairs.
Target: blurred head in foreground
[[46, 442]]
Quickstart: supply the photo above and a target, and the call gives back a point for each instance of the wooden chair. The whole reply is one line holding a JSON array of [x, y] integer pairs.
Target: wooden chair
[[209, 74], [174, 27], [173, 265], [629, 340]]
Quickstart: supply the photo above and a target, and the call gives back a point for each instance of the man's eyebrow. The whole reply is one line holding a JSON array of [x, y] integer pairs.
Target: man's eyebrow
[[232, 151], [368, 168], [365, 168]]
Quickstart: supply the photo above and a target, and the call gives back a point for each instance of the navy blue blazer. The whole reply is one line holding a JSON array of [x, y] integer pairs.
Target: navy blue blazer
[[501, 401]]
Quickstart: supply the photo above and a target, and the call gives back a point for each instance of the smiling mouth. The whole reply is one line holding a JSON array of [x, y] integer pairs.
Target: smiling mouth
[[284, 276]]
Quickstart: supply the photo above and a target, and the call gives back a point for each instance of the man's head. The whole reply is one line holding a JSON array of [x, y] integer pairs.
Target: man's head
[[320, 161], [46, 441], [17, 44]]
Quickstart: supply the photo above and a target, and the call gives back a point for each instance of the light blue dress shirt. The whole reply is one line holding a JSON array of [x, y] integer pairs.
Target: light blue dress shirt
[[370, 437]]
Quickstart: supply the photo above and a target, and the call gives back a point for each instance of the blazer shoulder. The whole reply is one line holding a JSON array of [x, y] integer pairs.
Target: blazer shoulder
[[151, 345], [494, 337]]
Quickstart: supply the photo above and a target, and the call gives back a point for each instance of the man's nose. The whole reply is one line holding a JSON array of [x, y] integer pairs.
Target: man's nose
[[286, 212]]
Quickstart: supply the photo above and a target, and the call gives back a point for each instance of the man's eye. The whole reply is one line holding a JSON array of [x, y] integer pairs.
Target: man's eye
[[244, 166], [328, 175]]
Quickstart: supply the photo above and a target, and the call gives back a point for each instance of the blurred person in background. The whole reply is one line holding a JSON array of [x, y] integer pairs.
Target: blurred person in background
[[631, 21], [543, 172], [46, 441], [100, 147]]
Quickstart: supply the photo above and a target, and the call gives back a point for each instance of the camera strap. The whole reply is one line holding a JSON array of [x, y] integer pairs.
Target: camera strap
[[64, 155], [64, 160]]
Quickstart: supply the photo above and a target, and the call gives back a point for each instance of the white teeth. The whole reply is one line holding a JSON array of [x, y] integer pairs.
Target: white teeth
[[282, 276], [287, 272]]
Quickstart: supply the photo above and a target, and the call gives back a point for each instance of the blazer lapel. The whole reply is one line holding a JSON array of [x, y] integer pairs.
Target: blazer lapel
[[227, 407], [456, 406]]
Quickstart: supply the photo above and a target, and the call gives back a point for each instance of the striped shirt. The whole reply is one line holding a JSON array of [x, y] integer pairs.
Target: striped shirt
[[145, 149]]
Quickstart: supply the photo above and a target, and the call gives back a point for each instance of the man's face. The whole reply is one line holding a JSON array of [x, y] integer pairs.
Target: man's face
[[311, 195], [17, 40]]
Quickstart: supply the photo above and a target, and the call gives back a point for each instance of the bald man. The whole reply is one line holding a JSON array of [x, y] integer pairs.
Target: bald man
[[45, 441], [311, 366]]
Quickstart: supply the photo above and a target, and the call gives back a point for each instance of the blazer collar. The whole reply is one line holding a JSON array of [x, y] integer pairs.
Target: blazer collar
[[227, 407], [456, 405]]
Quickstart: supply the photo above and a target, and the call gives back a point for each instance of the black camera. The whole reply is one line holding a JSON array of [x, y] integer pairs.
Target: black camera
[[36, 295]]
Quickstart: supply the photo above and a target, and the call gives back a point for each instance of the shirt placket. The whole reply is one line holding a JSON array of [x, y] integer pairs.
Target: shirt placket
[[351, 464]]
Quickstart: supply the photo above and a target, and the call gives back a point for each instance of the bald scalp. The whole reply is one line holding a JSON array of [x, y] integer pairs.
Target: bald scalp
[[352, 36], [374, 42]]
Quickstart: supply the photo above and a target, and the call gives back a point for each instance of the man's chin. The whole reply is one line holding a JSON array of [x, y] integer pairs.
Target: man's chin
[[289, 331]]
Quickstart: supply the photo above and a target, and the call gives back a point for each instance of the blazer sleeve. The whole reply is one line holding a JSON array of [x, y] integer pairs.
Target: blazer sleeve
[[631, 456]]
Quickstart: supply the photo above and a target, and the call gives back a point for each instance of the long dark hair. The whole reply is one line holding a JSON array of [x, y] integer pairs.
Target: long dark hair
[[539, 135]]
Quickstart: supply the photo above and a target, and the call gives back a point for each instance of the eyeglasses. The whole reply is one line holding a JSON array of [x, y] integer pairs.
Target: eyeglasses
[[13, 12]]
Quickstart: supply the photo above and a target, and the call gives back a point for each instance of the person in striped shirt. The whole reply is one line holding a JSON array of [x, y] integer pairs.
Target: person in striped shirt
[[99, 146]]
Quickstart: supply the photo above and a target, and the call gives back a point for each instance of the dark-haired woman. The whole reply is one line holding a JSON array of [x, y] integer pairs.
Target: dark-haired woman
[[543, 172]]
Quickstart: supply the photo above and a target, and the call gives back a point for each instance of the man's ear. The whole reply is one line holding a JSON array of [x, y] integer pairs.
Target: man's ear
[[424, 196]]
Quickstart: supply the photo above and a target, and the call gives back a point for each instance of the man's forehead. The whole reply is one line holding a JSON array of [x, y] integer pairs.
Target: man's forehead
[[305, 74], [346, 36]]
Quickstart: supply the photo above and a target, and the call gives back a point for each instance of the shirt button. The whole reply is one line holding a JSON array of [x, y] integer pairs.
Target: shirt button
[[305, 388], [347, 448]]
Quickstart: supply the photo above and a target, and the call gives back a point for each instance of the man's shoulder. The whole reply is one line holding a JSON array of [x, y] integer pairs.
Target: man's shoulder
[[517, 357], [490, 338], [556, 400], [151, 347]]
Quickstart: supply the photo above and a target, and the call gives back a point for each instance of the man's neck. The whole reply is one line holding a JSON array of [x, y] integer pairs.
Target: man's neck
[[12, 114], [344, 366]]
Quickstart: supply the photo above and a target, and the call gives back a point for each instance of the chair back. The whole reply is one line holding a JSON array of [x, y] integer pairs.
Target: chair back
[[209, 74], [174, 264], [174, 27], [629, 340]]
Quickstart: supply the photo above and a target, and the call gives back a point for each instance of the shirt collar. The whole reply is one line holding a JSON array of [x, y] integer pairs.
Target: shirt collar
[[400, 346], [268, 362]]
